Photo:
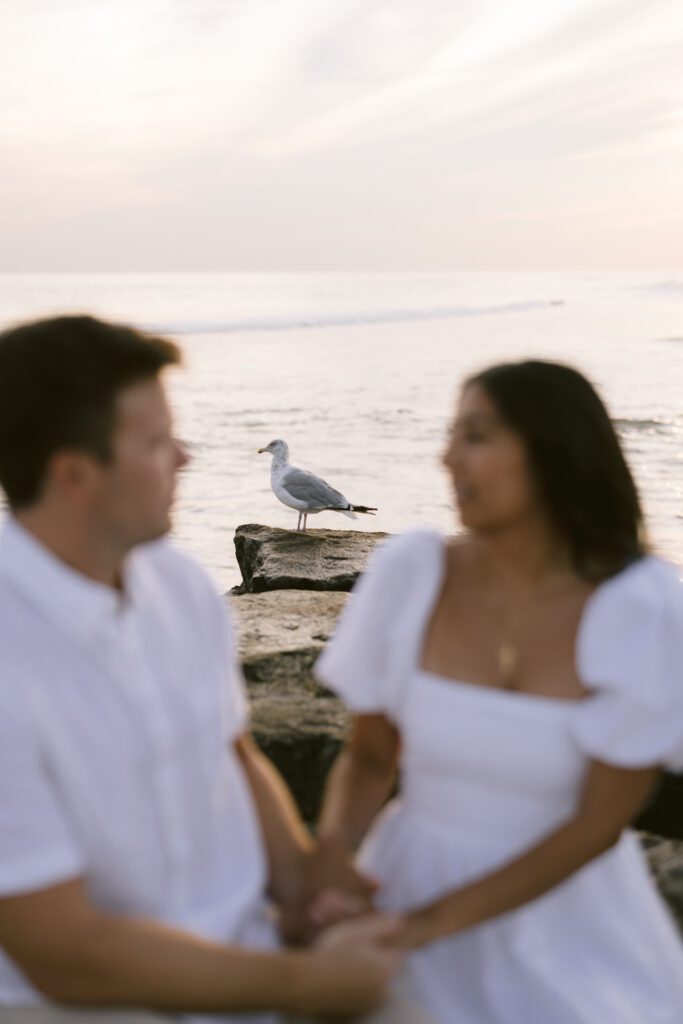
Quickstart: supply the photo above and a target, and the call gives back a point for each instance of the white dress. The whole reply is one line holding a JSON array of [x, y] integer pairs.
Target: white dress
[[486, 774]]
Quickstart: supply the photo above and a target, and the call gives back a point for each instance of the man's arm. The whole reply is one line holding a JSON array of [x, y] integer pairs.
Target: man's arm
[[295, 875], [288, 844], [73, 953]]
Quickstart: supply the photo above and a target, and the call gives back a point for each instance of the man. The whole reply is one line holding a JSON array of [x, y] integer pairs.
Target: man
[[140, 830]]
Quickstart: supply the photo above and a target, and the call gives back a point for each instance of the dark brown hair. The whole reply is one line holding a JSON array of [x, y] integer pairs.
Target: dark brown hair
[[584, 481], [59, 379]]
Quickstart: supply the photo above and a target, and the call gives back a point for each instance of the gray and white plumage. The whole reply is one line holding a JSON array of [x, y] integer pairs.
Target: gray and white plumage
[[303, 491]]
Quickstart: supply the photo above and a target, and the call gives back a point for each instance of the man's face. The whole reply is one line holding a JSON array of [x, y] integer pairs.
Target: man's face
[[132, 500]]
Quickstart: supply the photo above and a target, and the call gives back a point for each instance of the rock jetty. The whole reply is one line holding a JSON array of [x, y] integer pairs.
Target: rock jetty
[[294, 587], [297, 723]]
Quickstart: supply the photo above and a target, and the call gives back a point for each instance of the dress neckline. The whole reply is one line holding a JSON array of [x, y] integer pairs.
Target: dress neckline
[[521, 698], [499, 691]]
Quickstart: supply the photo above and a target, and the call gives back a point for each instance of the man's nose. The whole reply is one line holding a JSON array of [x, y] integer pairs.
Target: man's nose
[[182, 454]]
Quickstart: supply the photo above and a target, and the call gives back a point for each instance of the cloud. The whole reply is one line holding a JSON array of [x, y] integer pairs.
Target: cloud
[[300, 134]]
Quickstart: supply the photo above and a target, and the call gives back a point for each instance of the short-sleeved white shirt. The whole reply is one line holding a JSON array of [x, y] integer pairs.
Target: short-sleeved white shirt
[[117, 713]]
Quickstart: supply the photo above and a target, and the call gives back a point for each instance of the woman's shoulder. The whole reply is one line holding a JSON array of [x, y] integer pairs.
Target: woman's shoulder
[[633, 623], [630, 654], [648, 586], [421, 545]]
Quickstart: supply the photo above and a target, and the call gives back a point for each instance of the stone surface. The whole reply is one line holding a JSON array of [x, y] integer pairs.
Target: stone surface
[[296, 722], [282, 632], [274, 559], [302, 736], [665, 857], [664, 816]]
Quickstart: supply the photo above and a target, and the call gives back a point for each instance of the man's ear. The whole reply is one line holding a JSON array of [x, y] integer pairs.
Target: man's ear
[[75, 475]]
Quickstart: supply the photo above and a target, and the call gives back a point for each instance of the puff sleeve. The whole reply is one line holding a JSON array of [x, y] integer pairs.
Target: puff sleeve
[[630, 655], [366, 659]]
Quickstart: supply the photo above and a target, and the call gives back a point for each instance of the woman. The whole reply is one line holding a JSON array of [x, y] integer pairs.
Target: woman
[[527, 678]]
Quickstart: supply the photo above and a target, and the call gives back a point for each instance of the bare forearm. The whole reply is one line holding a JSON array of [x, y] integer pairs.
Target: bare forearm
[[355, 793], [286, 839], [130, 961], [522, 880], [610, 799]]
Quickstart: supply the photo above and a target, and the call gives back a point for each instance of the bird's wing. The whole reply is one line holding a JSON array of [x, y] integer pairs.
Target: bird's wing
[[306, 487]]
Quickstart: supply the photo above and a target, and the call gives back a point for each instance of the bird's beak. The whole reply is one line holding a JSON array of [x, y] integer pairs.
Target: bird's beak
[[260, 451]]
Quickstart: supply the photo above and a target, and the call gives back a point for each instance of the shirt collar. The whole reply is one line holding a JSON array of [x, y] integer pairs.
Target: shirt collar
[[76, 603]]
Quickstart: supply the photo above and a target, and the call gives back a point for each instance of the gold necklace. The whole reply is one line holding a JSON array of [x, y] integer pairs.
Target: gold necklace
[[508, 656], [508, 650]]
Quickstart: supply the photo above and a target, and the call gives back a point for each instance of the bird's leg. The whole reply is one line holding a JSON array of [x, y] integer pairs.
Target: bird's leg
[[305, 519], [298, 522]]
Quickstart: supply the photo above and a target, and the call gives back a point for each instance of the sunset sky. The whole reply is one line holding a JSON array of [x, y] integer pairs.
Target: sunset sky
[[341, 134]]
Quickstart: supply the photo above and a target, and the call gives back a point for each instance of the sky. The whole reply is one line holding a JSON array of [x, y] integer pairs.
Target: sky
[[341, 135]]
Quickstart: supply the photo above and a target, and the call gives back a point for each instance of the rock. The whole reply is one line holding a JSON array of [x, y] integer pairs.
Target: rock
[[297, 723], [664, 815], [281, 633], [665, 857], [302, 737], [273, 559]]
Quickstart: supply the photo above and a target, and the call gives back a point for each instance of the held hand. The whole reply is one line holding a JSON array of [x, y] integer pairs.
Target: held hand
[[300, 923], [378, 929], [400, 932], [336, 888], [331, 906], [355, 965], [294, 924]]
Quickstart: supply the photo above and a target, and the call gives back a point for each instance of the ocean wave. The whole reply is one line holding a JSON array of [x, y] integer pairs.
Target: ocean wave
[[644, 426], [351, 319]]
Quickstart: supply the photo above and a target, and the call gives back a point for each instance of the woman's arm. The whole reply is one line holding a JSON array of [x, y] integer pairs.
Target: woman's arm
[[611, 798], [360, 781]]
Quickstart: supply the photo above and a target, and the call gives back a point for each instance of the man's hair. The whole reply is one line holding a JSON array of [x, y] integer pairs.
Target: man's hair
[[59, 380]]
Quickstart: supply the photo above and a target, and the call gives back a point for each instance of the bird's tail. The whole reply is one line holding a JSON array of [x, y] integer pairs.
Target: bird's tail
[[363, 508]]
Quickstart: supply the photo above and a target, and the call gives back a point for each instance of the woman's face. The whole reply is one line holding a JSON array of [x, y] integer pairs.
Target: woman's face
[[488, 466]]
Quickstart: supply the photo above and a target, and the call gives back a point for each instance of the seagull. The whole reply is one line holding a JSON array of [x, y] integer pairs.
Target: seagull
[[303, 491]]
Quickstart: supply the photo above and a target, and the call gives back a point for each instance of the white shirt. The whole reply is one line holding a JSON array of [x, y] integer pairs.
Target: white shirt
[[117, 713]]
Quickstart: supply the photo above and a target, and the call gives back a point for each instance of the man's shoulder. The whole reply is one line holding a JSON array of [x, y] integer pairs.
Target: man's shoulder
[[178, 572], [18, 621], [21, 658]]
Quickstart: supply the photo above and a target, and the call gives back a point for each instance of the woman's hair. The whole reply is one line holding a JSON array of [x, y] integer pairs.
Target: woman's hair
[[583, 479]]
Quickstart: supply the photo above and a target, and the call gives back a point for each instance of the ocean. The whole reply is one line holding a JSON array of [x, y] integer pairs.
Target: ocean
[[359, 373]]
